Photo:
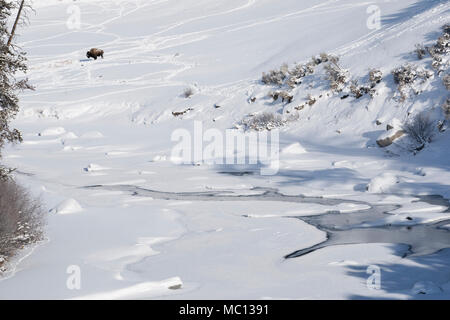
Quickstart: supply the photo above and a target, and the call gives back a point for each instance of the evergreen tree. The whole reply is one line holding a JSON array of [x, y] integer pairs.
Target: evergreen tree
[[12, 63]]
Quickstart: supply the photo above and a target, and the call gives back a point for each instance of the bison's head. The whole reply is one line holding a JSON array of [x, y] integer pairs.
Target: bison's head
[[88, 54]]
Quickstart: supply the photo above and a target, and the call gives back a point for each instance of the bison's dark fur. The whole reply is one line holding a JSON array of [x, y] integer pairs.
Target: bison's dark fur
[[94, 53]]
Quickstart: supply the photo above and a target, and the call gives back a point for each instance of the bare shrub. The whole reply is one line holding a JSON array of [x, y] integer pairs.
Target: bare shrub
[[446, 81], [436, 56], [188, 92], [355, 89], [21, 218], [276, 77], [333, 59], [420, 129], [420, 51], [292, 82], [4, 172], [298, 71], [310, 67], [263, 121], [337, 76], [446, 108], [358, 91]]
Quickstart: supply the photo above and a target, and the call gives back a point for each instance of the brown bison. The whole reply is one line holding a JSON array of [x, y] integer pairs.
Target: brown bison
[[95, 53]]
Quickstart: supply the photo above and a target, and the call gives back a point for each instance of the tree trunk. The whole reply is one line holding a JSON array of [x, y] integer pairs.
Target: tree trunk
[[13, 31]]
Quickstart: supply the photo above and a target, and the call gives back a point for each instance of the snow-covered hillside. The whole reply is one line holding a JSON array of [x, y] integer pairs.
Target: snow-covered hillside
[[98, 151]]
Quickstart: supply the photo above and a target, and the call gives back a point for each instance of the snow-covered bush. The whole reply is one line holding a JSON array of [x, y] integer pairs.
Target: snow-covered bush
[[420, 129], [324, 57], [337, 76], [21, 218], [263, 121], [375, 77], [443, 44], [316, 60], [446, 81], [436, 57], [406, 75], [357, 90], [446, 28], [440, 49], [292, 77]]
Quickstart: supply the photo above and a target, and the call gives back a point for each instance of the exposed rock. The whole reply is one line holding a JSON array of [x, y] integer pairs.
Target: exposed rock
[[387, 139], [394, 124], [176, 287]]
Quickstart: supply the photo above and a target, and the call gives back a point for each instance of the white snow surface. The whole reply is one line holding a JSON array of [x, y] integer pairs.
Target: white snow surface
[[68, 206], [109, 122]]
